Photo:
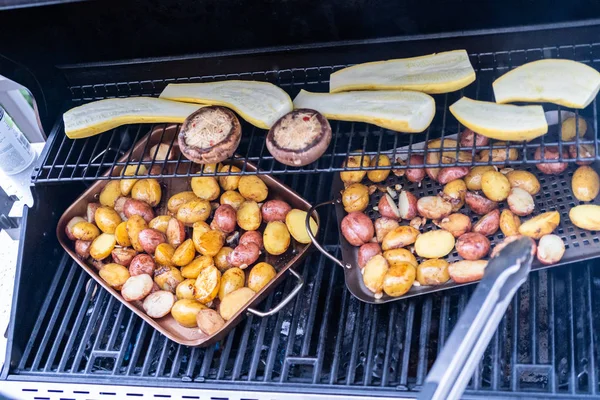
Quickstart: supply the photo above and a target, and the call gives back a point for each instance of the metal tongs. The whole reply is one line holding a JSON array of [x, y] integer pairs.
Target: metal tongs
[[463, 350]]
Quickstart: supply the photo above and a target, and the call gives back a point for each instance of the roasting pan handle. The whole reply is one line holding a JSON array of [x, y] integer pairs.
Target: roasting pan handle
[[313, 239], [283, 302]]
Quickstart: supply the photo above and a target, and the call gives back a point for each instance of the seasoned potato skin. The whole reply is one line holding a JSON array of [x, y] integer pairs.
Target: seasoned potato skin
[[541, 225], [224, 219], [148, 191], [379, 175], [150, 238], [209, 321], [472, 246], [207, 285], [211, 243], [244, 255], [164, 253], [185, 290], [488, 224], [135, 224], [275, 210], [176, 232], [366, 252], [586, 216], [102, 246], [229, 182], [168, 278], [253, 188], [374, 274], [357, 228], [276, 238], [585, 183], [160, 223], [110, 193], [396, 256], [433, 207], [355, 197], [400, 237], [456, 190], [551, 153], [184, 254], [115, 275], [399, 279], [179, 199], [467, 271], [234, 302], [249, 217], [194, 211], [260, 275], [296, 224], [350, 177], [509, 223], [206, 188], [85, 231], [457, 224], [495, 186], [449, 174], [232, 198], [524, 180], [252, 237], [383, 226], [193, 269], [479, 204], [123, 255], [133, 207], [433, 272], [473, 178], [184, 311], [231, 280], [107, 219], [142, 264], [415, 175], [222, 258]]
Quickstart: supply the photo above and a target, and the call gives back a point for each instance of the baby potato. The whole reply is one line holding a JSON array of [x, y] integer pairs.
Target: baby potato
[[366, 252], [450, 174], [499, 154], [179, 199], [121, 235], [137, 207], [194, 211], [402, 236], [524, 180], [383, 226], [184, 312], [586, 216], [479, 204], [142, 264], [379, 175], [355, 197], [569, 128], [199, 229], [467, 270], [350, 177], [160, 223], [207, 284], [222, 258], [276, 238], [167, 278], [472, 246], [110, 193], [374, 274], [69, 227], [275, 210], [91, 212], [399, 279], [541, 225], [488, 224], [234, 302], [206, 188], [495, 186], [252, 237], [457, 224], [85, 231], [244, 255], [184, 254], [231, 280], [433, 207], [115, 275], [397, 256], [253, 188], [550, 249], [456, 191], [159, 303], [509, 223], [164, 253], [260, 275], [130, 170], [148, 191], [175, 232], [585, 153], [356, 228], [224, 219], [296, 224], [209, 321], [468, 138], [415, 175], [123, 255], [551, 153], [193, 269], [473, 178], [137, 287], [135, 224], [185, 290], [150, 238], [407, 205], [232, 198], [102, 246], [229, 182], [434, 244], [210, 243], [249, 217], [585, 184], [387, 207], [520, 202], [82, 248], [433, 272]]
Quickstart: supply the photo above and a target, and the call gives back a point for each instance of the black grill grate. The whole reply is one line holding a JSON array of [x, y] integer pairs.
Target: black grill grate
[[88, 159]]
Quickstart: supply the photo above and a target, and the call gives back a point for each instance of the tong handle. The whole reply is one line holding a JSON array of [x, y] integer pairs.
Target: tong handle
[[313, 239]]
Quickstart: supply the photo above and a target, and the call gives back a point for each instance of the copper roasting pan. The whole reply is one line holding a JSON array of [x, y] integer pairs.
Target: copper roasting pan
[[167, 325], [555, 195]]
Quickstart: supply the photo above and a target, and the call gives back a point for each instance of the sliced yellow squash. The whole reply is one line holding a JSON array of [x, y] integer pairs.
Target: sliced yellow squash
[[501, 121], [100, 116], [398, 110], [564, 82], [259, 103], [435, 73]]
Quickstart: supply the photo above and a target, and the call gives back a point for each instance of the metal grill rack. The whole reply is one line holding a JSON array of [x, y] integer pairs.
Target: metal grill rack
[[87, 159]]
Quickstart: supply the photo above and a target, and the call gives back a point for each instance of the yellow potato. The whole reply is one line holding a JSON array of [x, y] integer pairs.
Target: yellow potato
[[185, 290], [402, 236], [199, 229], [540, 225], [355, 197], [379, 175], [397, 256], [194, 211], [135, 224], [102, 246], [399, 279], [115, 275], [260, 275], [234, 302], [296, 224], [495, 186], [585, 184], [168, 278], [206, 188], [130, 170], [253, 188], [456, 190], [222, 258], [229, 182], [586, 216], [433, 272], [210, 243], [232, 280], [232, 198], [524, 180], [249, 216], [184, 311], [193, 269], [473, 178], [207, 284], [148, 191], [121, 235], [163, 254], [374, 274], [184, 254], [210, 168], [434, 244], [499, 153], [85, 231], [509, 223], [568, 131], [160, 223], [110, 193], [179, 199], [276, 238], [107, 219]]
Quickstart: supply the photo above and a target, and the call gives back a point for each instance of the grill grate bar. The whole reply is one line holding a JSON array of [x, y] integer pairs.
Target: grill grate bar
[[324, 322], [589, 306]]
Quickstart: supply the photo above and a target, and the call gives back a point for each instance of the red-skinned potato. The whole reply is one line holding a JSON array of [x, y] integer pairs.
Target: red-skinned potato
[[141, 264], [159, 303], [550, 249], [275, 210], [244, 255], [168, 278], [520, 202], [488, 224], [137, 287], [468, 138], [550, 153], [387, 207], [586, 151], [252, 237], [138, 207], [357, 228], [407, 205], [450, 174], [415, 175], [433, 207], [479, 204], [150, 238], [91, 211], [472, 246], [82, 249], [508, 240], [457, 224], [383, 226], [69, 227], [366, 252], [123, 255], [224, 219], [175, 232], [120, 207], [98, 264]]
